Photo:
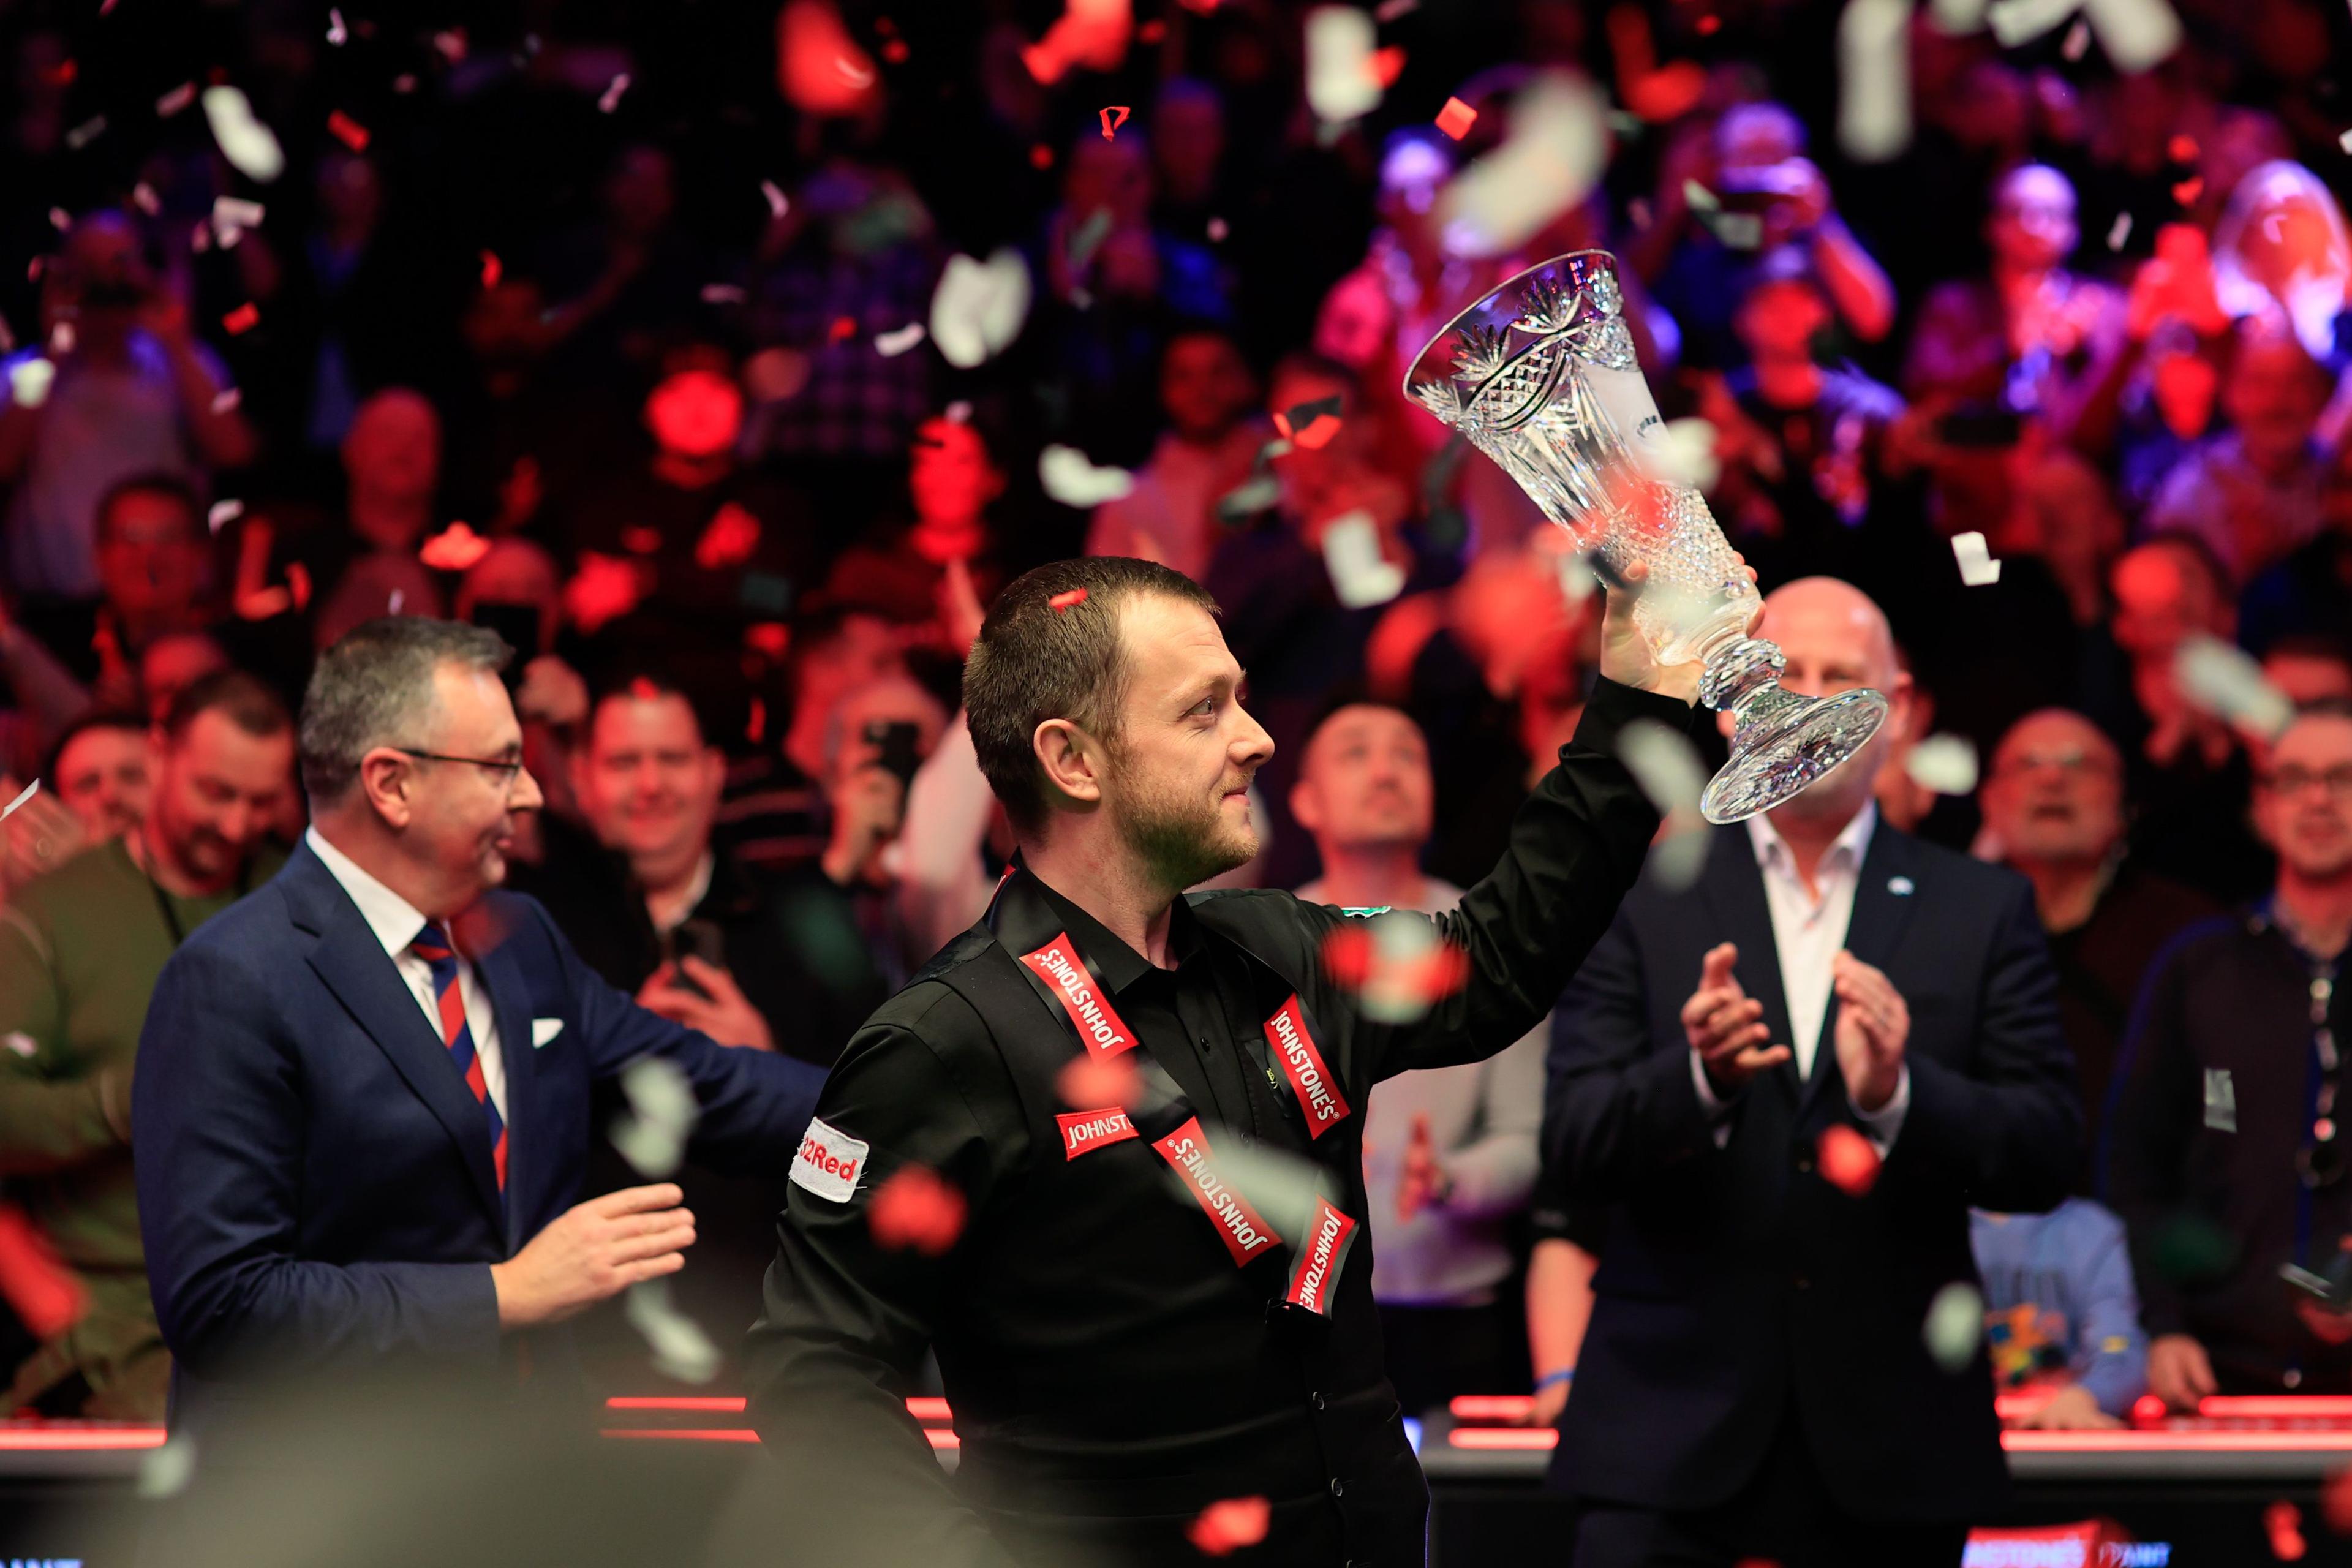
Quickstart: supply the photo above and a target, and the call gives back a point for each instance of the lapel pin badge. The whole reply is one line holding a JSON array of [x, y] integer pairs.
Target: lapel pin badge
[[1899, 886]]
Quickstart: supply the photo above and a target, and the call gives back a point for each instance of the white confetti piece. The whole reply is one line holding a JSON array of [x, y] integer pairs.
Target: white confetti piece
[[1957, 18], [680, 1349], [399, 597], [979, 307], [143, 197], [87, 131], [20, 1044], [1389, 10], [2138, 35], [1360, 576], [2345, 141], [1667, 768], [1955, 1326], [612, 99], [2120, 231], [165, 1471], [60, 219], [2222, 680], [722, 294], [61, 339], [1945, 763], [1978, 568], [337, 34], [1218, 228], [1396, 987], [2015, 22], [29, 381], [250, 146], [2078, 42], [1549, 162], [1341, 86], [958, 412], [1686, 455], [226, 399], [27, 792], [178, 99], [890, 345], [223, 513], [1072, 478], [1874, 80], [651, 1135], [778, 202]]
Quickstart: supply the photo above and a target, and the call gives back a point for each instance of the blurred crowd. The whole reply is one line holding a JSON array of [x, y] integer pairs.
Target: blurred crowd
[[603, 326]]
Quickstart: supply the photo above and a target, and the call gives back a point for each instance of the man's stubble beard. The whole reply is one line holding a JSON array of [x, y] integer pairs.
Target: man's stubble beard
[[1184, 843]]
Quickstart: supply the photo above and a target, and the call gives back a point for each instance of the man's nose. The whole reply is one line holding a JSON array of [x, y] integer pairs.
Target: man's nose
[[523, 793], [1254, 747]]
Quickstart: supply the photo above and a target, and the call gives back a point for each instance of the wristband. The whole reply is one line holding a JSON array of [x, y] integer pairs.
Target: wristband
[[1565, 1374]]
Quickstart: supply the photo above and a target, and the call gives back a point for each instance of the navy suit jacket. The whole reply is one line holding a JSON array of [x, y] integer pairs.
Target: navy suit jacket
[[1735, 1283], [315, 1185]]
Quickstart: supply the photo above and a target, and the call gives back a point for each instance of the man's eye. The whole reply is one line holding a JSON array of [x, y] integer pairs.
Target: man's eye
[[1206, 706]]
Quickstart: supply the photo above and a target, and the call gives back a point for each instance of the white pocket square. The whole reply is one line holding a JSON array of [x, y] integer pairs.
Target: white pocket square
[[543, 1031]]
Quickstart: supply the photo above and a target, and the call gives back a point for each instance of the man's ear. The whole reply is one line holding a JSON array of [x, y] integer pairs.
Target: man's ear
[[1306, 806], [1903, 706], [388, 779], [1073, 760]]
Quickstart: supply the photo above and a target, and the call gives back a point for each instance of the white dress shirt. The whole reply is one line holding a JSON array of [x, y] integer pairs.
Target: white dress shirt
[[396, 922], [1808, 928]]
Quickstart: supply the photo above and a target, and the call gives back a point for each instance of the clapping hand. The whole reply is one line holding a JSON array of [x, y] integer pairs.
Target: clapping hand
[[1721, 1021]]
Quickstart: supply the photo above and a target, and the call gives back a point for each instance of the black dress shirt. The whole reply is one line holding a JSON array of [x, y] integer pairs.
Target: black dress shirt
[[1116, 1359]]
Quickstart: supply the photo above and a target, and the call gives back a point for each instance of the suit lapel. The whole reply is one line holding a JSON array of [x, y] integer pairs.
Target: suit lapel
[[520, 1060], [1883, 898], [355, 967], [1734, 891]]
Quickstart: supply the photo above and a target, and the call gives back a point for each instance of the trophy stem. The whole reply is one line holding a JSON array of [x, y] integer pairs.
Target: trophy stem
[[1780, 741]]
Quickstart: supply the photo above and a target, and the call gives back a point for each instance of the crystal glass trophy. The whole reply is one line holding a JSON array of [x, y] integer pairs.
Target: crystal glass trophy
[[1540, 375]]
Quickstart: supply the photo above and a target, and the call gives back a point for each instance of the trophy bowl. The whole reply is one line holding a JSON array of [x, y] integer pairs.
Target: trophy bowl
[[1539, 374]]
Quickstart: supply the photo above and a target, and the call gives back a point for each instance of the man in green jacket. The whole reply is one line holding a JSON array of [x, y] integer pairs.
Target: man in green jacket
[[80, 951]]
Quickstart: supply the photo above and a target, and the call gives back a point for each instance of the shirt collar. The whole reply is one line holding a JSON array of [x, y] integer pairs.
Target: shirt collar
[[1115, 963], [394, 920], [1772, 851]]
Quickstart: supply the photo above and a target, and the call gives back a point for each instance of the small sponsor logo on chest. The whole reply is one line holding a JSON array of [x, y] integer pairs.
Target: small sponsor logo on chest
[[1310, 1077], [1084, 1131], [830, 1161]]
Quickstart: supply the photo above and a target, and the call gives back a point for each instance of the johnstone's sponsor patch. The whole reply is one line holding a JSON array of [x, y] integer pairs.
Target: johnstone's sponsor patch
[[1324, 1254], [1241, 1227], [1084, 1131], [1310, 1077], [1057, 963], [830, 1162]]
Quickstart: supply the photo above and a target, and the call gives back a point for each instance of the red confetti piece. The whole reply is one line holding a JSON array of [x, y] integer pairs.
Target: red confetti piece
[[1709, 24], [1151, 32], [1087, 1082], [917, 1208], [730, 539], [2187, 191], [638, 539], [1229, 1524], [1352, 958], [769, 638], [1348, 955], [2283, 1521], [1456, 118], [492, 269], [1318, 433], [1063, 601], [1848, 1163], [244, 318], [844, 327], [755, 726], [454, 549], [43, 1291], [2186, 387], [1109, 124], [1388, 64], [1040, 156], [2147, 1410], [347, 131], [818, 66], [895, 51], [2182, 148], [2335, 1502]]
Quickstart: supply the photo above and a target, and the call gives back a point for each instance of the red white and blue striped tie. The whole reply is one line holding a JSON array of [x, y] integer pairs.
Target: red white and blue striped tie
[[432, 945]]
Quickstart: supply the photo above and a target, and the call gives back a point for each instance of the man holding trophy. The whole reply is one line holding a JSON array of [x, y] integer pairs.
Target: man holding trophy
[[1103, 1155]]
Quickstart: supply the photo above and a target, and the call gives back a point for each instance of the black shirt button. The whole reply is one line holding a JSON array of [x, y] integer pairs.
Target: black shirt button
[[1339, 1487]]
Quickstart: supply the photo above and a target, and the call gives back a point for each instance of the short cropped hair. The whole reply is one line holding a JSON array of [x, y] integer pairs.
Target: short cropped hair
[[153, 482], [242, 698], [374, 687], [1035, 661]]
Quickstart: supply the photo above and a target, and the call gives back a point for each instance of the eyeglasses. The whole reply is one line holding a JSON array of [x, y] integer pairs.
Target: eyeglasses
[[505, 771], [2335, 781]]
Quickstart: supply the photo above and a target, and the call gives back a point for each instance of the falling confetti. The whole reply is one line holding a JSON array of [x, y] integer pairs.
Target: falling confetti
[[1229, 1524], [1342, 83], [2136, 35], [819, 67], [2222, 680], [1874, 80], [226, 399], [492, 270], [242, 320], [651, 1134], [1547, 163], [917, 1208], [456, 548], [29, 381], [1362, 574], [1072, 478], [2335, 1502], [250, 147], [87, 131], [1396, 965], [1686, 456], [1978, 568], [680, 1349], [1090, 1081], [1456, 118], [223, 513], [1955, 1326], [143, 197], [27, 792], [1847, 1160], [337, 34], [165, 1471], [2077, 42], [2283, 1521], [1944, 763], [1310, 425], [890, 345], [979, 307], [178, 99], [778, 206], [1109, 124], [722, 294], [347, 131], [1218, 229], [612, 99], [2120, 231], [46, 1295], [1667, 768], [2187, 191]]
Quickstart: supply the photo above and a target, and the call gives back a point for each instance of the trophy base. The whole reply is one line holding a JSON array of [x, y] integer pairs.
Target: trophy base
[[1798, 744]]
